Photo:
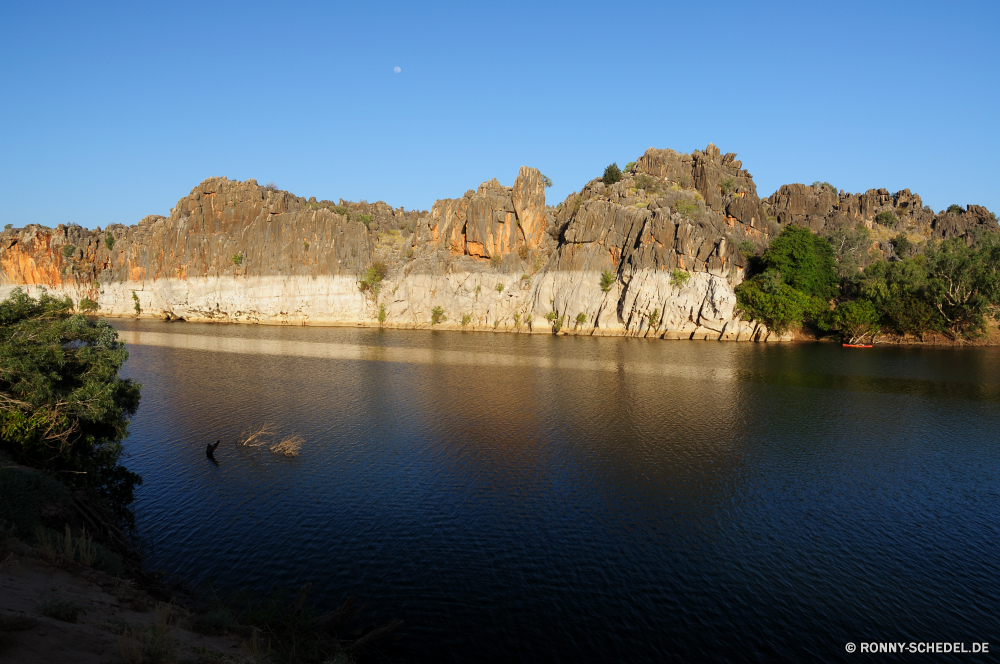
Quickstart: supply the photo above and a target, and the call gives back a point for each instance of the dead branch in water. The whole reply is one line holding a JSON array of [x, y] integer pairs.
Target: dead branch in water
[[288, 447], [256, 436]]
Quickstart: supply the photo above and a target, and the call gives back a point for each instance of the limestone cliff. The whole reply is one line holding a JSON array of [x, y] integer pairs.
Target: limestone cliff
[[656, 254]]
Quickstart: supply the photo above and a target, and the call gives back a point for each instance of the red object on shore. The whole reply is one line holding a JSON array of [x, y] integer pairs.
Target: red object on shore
[[857, 345]]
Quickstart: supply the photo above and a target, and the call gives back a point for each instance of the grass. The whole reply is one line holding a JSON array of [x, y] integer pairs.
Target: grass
[[685, 207], [86, 304], [153, 645], [679, 278], [727, 186], [437, 315], [262, 436], [607, 280], [60, 609]]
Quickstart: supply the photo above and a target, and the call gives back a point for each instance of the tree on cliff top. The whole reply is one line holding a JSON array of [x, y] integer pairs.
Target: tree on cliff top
[[63, 407]]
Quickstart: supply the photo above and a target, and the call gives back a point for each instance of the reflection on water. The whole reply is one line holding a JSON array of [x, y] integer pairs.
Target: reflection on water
[[525, 498]]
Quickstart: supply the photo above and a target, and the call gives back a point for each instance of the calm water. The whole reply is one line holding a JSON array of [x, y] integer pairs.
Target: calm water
[[537, 499]]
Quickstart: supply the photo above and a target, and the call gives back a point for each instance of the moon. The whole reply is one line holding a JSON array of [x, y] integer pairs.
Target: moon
[[397, 69]]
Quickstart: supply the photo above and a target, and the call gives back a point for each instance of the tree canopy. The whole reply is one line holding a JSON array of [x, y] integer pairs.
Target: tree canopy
[[63, 407]]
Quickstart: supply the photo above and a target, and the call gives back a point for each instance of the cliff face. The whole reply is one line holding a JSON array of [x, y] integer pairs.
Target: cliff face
[[656, 254]]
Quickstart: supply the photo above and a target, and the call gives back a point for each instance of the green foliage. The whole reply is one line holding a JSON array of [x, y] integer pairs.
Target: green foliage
[[654, 319], [727, 186], [963, 284], [612, 174], [551, 316], [629, 166], [371, 280], [854, 320], [466, 319], [7, 227], [437, 315], [517, 319], [382, 315], [499, 287], [67, 250], [955, 208], [767, 299], [851, 248], [804, 261], [109, 241], [901, 244], [746, 248], [898, 291], [686, 207], [341, 210], [60, 609], [365, 219], [546, 181], [135, 304], [886, 218], [557, 325], [825, 185], [495, 261], [305, 245], [679, 278], [607, 280], [63, 407], [237, 259], [648, 184], [581, 318], [86, 304]]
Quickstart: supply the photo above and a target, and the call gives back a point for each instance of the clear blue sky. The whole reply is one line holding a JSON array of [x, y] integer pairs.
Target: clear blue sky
[[111, 112]]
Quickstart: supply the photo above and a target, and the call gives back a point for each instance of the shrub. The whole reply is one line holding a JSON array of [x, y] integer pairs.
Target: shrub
[[109, 241], [382, 315], [825, 185], [499, 287], [685, 207], [270, 186], [746, 247], [581, 318], [7, 227], [365, 219], [67, 250], [557, 325], [727, 186], [217, 622], [901, 244], [86, 304], [886, 218], [60, 609], [341, 210], [577, 202], [546, 181], [854, 320], [629, 166], [955, 208], [522, 252], [135, 303], [765, 298], [679, 278], [466, 319], [305, 245], [804, 261], [612, 174], [495, 261], [551, 316], [372, 278], [607, 280], [654, 319], [647, 184], [437, 315], [237, 259]]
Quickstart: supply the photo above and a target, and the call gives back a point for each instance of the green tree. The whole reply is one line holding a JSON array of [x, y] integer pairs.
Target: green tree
[[612, 174], [607, 280], [63, 407], [899, 292], [767, 299], [805, 262], [963, 284], [854, 320]]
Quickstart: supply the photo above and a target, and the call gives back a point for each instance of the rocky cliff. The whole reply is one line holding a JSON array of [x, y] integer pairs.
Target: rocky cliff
[[657, 253]]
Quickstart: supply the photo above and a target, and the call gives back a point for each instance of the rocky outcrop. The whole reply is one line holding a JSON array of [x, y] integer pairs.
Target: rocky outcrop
[[656, 254]]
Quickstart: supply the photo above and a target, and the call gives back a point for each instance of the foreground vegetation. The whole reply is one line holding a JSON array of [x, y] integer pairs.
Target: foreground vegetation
[[837, 284]]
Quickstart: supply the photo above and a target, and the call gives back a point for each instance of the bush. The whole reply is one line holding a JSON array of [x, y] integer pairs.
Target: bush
[[654, 319], [237, 259], [135, 304], [382, 315], [86, 304], [727, 186], [679, 278], [629, 166], [522, 252], [901, 244], [466, 319], [7, 227], [546, 181], [612, 174], [766, 299], [270, 186], [648, 184], [551, 316], [109, 241], [854, 320], [581, 318], [607, 280], [63, 407], [955, 208], [372, 278], [804, 261], [746, 248], [437, 315], [825, 185], [365, 219], [499, 287], [685, 207], [886, 218], [60, 609], [67, 250]]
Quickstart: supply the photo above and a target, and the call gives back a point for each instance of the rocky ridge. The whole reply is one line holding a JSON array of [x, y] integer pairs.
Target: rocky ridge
[[657, 253]]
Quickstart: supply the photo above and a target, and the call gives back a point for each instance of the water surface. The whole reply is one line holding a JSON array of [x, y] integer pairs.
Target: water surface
[[527, 498]]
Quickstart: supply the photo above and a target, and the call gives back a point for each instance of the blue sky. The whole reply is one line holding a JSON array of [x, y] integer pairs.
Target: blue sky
[[110, 111]]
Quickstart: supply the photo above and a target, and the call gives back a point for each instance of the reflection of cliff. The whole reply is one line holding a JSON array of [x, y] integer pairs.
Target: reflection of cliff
[[497, 258]]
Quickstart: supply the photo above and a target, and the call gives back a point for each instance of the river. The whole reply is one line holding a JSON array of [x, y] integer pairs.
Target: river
[[576, 499]]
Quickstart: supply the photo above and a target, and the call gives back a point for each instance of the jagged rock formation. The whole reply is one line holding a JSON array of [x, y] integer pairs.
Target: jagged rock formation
[[656, 254]]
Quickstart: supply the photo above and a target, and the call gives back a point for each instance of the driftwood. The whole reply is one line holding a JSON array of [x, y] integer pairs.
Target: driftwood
[[374, 637]]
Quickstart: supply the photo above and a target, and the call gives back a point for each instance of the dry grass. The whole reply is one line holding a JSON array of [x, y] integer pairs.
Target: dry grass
[[288, 447], [55, 548], [153, 645], [255, 649]]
